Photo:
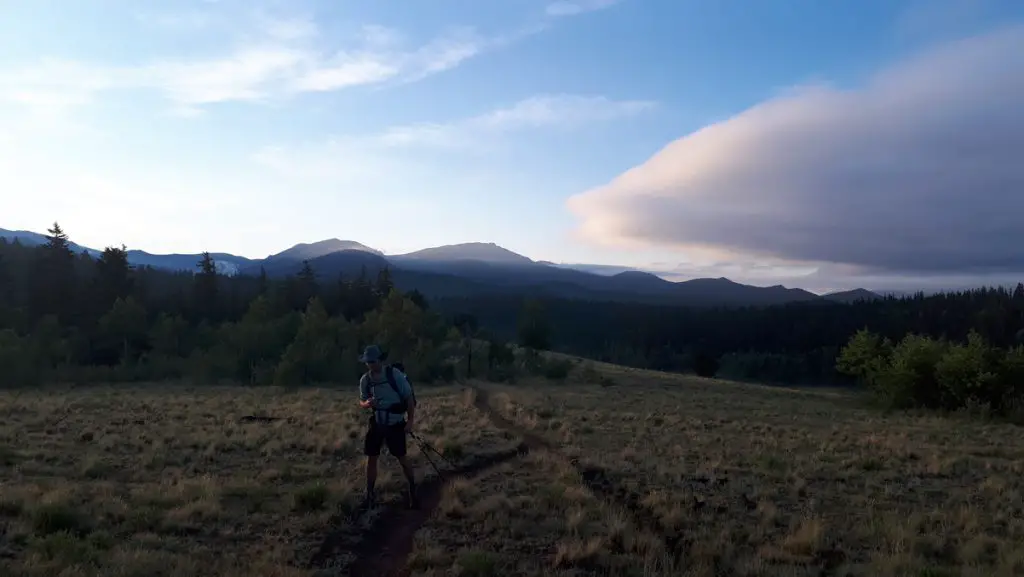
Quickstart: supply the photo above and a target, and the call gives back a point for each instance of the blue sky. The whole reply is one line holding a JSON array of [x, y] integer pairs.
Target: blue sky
[[247, 126]]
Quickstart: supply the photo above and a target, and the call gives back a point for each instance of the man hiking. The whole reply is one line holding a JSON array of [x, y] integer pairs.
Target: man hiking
[[386, 390]]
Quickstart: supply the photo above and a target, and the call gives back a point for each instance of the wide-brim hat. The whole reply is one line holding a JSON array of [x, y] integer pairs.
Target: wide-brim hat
[[371, 354]]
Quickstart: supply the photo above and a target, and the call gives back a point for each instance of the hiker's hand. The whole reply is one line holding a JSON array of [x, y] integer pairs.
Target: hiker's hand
[[368, 403]]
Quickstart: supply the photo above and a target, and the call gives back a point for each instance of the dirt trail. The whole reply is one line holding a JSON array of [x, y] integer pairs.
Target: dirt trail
[[482, 401], [594, 478], [384, 549], [603, 485]]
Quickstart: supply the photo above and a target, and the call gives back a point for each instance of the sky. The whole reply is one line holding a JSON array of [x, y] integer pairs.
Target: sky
[[826, 145]]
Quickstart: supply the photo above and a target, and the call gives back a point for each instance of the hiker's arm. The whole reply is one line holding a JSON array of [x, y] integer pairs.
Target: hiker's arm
[[364, 393], [410, 399]]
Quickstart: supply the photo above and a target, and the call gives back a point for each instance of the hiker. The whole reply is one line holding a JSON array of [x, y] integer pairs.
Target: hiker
[[390, 399]]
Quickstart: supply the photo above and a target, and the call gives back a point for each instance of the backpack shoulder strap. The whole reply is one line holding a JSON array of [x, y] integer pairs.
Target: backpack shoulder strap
[[389, 372]]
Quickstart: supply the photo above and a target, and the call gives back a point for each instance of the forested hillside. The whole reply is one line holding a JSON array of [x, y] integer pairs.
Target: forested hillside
[[947, 350], [791, 342], [70, 317]]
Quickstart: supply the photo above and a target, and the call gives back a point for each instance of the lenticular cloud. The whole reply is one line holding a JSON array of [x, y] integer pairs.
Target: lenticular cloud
[[922, 169]]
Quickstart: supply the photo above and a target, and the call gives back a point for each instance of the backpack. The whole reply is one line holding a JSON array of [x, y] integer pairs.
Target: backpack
[[401, 406]]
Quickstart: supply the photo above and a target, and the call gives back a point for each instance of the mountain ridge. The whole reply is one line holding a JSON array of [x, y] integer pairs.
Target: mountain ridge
[[467, 269]]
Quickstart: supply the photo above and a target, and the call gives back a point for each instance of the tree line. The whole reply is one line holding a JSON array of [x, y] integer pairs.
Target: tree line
[[804, 343], [67, 316]]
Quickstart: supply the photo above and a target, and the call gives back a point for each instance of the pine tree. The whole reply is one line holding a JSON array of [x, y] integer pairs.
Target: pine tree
[[307, 285], [52, 279], [206, 293], [534, 330], [384, 283], [468, 326], [113, 278], [125, 324], [6, 294], [58, 241], [263, 284]]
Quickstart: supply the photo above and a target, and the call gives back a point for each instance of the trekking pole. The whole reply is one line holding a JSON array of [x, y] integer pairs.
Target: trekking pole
[[424, 447]]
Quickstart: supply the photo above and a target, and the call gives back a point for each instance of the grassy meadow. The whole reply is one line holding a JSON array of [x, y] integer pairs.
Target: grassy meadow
[[628, 472]]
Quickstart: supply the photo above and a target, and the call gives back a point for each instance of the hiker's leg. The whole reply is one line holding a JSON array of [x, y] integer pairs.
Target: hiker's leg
[[371, 473], [410, 475], [397, 446], [371, 448]]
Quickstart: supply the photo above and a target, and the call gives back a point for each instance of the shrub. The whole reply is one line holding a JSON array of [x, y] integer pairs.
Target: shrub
[[923, 372], [865, 357], [966, 374], [910, 380]]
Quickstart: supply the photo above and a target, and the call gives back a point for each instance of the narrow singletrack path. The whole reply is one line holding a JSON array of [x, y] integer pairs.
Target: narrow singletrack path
[[482, 402], [602, 484], [384, 549], [596, 479]]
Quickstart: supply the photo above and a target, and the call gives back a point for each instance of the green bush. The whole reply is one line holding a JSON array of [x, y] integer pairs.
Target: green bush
[[922, 372], [966, 373], [909, 379]]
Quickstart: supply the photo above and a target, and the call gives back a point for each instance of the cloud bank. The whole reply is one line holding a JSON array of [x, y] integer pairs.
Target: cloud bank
[[921, 171]]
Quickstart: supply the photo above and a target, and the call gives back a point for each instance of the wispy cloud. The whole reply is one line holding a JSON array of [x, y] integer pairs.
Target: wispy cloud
[[176, 21], [562, 111], [574, 7], [401, 149], [281, 58]]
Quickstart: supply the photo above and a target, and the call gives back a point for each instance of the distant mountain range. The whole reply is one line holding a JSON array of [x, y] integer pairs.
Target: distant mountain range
[[471, 269]]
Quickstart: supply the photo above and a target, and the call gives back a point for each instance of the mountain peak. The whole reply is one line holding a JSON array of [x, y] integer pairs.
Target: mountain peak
[[636, 274], [707, 281], [851, 296], [311, 250], [480, 251]]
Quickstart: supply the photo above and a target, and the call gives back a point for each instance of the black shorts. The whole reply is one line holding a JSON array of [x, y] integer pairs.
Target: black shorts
[[377, 435]]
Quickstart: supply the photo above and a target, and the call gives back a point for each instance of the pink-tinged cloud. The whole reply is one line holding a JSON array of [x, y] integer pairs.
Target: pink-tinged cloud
[[922, 169]]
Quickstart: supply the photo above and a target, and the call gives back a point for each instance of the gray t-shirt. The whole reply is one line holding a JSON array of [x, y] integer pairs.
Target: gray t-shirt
[[378, 387]]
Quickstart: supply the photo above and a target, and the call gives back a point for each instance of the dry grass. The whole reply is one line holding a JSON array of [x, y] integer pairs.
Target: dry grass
[[765, 481], [651, 475], [158, 480], [533, 517]]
